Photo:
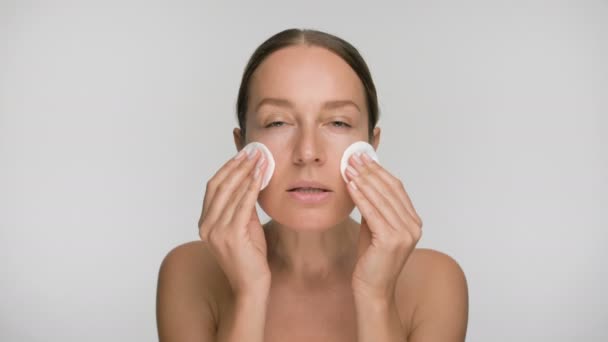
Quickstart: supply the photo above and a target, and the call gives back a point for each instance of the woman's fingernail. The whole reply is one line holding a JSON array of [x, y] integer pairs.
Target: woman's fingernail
[[256, 173], [366, 158], [240, 155], [357, 157], [259, 163], [252, 153], [352, 171]]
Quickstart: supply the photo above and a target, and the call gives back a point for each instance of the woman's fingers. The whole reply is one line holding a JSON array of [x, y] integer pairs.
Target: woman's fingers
[[396, 187], [226, 215], [386, 193], [221, 193], [219, 177], [235, 205], [243, 209], [215, 214], [381, 194]]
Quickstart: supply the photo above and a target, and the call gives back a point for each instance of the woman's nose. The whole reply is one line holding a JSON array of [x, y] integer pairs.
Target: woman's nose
[[308, 148]]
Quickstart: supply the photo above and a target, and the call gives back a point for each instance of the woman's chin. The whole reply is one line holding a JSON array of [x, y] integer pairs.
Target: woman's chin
[[308, 221]]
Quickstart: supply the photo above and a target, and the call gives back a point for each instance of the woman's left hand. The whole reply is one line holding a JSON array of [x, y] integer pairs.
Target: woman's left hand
[[390, 228]]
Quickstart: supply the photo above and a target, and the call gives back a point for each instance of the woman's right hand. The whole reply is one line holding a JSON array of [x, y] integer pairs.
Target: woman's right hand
[[230, 225]]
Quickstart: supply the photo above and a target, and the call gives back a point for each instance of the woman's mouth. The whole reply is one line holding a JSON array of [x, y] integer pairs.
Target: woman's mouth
[[309, 190], [309, 195]]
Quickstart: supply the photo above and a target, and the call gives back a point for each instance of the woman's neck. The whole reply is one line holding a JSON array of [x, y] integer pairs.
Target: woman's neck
[[311, 258]]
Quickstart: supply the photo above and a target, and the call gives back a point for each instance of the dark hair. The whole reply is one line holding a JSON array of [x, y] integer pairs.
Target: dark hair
[[310, 37]]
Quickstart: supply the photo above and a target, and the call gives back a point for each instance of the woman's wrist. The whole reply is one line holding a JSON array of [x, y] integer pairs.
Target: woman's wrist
[[374, 303], [248, 319], [254, 294]]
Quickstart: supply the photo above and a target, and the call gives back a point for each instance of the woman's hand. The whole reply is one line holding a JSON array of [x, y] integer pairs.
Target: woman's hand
[[390, 228], [230, 224]]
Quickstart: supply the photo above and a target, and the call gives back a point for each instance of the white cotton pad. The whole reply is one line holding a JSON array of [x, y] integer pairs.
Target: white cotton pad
[[357, 147], [269, 161]]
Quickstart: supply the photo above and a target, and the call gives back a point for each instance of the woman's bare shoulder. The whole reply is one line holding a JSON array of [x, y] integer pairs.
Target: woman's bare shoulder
[[426, 263], [434, 286], [190, 285], [193, 252], [194, 260], [427, 270]]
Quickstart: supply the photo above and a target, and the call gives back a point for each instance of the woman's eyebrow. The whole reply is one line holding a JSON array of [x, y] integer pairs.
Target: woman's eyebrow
[[333, 104]]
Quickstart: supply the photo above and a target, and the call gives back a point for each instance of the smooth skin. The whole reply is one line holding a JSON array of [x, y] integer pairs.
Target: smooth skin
[[311, 273]]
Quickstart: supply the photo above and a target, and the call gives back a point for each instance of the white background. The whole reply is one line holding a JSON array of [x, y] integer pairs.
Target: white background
[[114, 114]]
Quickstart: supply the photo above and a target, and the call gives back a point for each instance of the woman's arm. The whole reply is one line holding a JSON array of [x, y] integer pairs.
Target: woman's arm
[[378, 321], [184, 310], [247, 321], [441, 308]]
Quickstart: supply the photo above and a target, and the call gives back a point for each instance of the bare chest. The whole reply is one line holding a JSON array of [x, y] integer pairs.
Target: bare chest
[[311, 318], [326, 315]]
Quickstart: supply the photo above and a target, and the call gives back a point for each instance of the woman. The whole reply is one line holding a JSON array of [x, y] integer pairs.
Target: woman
[[311, 273]]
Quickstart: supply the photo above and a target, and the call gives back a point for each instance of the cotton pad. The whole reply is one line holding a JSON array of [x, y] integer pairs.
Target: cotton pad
[[357, 147], [269, 160]]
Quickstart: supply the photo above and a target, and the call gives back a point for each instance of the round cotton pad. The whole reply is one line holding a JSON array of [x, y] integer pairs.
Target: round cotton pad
[[357, 147], [268, 156]]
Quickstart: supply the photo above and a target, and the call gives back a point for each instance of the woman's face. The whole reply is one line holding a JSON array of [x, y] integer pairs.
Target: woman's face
[[307, 106]]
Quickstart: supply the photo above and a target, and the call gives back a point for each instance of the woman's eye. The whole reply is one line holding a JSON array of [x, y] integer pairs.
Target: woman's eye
[[338, 124], [342, 124], [274, 124]]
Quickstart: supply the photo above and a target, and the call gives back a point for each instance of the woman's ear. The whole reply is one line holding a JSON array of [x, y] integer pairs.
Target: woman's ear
[[376, 138], [238, 139]]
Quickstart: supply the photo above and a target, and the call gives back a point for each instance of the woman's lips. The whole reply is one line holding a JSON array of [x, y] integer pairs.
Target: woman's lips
[[309, 197]]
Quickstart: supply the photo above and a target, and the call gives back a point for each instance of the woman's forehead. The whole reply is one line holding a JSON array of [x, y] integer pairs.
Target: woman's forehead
[[305, 75]]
